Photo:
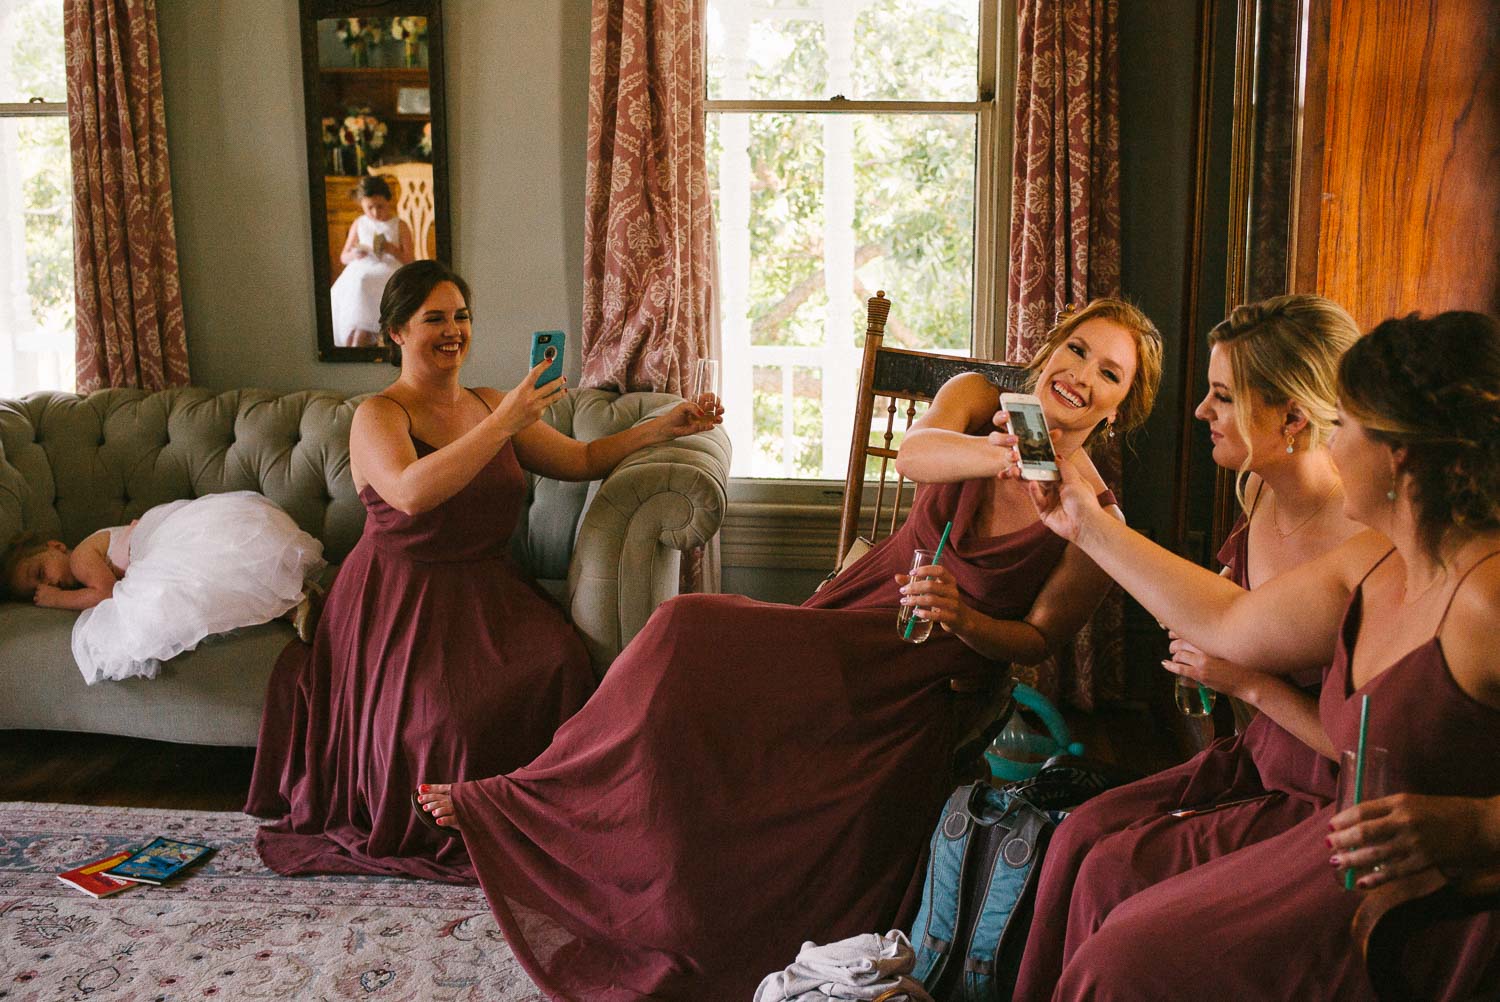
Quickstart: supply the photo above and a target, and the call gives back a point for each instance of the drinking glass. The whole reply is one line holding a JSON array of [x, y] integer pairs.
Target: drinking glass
[[706, 382], [921, 629], [1193, 698], [1376, 785]]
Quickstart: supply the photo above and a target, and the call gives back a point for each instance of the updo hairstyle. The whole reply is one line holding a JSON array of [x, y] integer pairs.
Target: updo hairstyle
[[1432, 384], [1141, 395], [371, 186], [405, 292]]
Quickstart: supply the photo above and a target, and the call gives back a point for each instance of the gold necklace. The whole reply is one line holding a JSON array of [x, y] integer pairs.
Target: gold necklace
[[1321, 505]]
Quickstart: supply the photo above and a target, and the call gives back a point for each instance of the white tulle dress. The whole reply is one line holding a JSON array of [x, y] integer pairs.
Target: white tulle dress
[[356, 292], [196, 568]]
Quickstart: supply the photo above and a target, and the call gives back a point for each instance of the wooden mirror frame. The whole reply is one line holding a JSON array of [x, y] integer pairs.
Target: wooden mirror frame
[[310, 12]]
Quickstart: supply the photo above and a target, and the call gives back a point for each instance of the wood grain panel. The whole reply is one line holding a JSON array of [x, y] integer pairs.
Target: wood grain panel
[[1410, 216]]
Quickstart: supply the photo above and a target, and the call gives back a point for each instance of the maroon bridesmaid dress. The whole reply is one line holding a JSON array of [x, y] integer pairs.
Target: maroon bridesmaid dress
[[435, 659], [748, 776], [1271, 921], [1123, 841]]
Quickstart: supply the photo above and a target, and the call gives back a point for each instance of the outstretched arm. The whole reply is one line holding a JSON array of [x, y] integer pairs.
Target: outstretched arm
[[544, 450], [1289, 622], [948, 443]]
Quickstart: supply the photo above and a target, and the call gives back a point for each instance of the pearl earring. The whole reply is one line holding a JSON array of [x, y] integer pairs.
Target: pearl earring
[[1111, 429], [1289, 447], [1390, 495]]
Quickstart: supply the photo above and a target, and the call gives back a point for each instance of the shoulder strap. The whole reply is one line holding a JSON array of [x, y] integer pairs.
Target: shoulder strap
[[1454, 594], [398, 403], [1373, 566], [481, 398], [937, 920]]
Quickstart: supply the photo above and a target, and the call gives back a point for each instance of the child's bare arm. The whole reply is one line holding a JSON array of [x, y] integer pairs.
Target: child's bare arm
[[77, 599], [89, 563]]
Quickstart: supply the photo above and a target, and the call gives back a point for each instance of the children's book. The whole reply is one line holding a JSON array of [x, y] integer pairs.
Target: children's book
[[160, 860], [91, 880]]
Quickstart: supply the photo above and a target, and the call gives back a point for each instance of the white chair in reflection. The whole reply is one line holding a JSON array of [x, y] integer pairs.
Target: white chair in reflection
[[414, 205]]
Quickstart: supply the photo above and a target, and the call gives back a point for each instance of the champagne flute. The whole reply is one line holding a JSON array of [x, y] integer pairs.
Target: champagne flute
[[706, 384]]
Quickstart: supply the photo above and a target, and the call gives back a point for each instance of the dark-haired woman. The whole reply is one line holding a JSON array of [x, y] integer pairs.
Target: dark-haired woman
[[434, 655], [378, 243], [1405, 613]]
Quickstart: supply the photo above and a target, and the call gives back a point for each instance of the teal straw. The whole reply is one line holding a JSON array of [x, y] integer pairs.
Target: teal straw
[[1359, 770], [1208, 706], [912, 620]]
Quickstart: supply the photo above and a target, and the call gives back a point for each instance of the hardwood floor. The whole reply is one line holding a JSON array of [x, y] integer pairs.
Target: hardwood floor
[[57, 767]]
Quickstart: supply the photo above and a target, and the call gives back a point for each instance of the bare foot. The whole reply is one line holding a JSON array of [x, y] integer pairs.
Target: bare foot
[[437, 800]]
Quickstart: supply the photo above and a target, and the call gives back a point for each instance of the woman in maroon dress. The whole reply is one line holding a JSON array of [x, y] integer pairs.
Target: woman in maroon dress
[[1270, 407], [750, 776], [434, 654], [1405, 612]]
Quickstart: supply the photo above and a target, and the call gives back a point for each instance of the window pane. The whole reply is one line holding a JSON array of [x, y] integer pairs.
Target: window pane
[[814, 214], [36, 256], [31, 51], [872, 50]]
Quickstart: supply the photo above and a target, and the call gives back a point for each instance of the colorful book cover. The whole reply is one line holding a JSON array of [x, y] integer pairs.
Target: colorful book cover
[[160, 860], [91, 879]]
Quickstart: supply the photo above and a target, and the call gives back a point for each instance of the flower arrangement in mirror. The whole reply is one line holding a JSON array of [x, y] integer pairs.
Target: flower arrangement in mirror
[[366, 133], [410, 32], [424, 145], [360, 34]]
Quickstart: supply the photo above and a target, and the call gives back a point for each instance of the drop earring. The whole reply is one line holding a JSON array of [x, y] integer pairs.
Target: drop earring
[[1289, 447], [1111, 430], [1390, 495]]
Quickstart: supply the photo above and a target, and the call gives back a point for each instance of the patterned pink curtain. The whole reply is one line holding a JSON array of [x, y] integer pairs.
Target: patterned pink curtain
[[1065, 245], [648, 242], [129, 301], [648, 238]]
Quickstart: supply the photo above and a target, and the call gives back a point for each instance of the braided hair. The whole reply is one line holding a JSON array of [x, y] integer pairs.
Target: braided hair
[[1432, 385]]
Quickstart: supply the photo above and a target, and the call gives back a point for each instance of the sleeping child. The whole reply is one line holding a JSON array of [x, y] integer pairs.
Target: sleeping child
[[181, 572]]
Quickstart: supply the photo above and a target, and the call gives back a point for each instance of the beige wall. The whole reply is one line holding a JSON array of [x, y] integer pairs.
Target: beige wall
[[517, 79]]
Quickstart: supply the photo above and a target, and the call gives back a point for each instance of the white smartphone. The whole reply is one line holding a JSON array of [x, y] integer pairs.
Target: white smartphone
[[1029, 424]]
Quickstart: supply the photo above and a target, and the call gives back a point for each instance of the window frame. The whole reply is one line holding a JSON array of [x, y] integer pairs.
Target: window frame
[[994, 109], [35, 107]]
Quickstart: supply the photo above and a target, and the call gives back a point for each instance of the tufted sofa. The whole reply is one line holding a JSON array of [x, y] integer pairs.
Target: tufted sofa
[[69, 465]]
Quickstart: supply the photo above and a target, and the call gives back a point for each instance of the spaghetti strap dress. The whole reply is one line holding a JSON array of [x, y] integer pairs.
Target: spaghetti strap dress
[[435, 657], [1272, 921], [1124, 840], [747, 777]]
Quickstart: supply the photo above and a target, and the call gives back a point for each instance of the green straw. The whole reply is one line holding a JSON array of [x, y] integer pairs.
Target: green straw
[[912, 620], [1359, 770], [1208, 704]]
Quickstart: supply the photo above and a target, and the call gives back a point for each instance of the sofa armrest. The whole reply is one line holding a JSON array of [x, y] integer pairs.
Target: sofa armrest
[[659, 501]]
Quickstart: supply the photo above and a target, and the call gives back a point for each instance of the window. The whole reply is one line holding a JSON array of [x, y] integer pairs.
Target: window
[[36, 202], [852, 147]]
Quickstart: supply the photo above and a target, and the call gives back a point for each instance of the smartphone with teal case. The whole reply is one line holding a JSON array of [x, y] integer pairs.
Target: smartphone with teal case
[[547, 346]]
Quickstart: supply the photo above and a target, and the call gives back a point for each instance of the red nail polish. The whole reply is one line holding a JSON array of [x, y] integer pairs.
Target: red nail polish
[[422, 788], [1329, 842]]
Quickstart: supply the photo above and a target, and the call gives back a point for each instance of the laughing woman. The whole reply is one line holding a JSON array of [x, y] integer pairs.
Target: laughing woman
[[749, 775], [434, 654]]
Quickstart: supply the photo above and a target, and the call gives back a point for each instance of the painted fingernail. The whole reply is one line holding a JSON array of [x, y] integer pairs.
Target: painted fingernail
[[1334, 860], [422, 788], [1329, 842]]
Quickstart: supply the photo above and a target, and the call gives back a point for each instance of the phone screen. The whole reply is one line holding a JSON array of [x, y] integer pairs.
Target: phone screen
[[1029, 425]]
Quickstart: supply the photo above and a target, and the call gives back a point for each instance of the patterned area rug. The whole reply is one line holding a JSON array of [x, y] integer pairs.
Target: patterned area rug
[[231, 929]]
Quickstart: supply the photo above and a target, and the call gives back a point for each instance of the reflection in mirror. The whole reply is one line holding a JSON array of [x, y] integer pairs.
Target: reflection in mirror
[[375, 139]]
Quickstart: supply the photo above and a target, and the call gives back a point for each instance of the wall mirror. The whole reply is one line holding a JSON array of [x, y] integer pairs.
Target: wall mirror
[[377, 158]]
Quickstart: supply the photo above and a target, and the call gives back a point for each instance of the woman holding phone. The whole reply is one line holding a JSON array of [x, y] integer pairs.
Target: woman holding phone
[[1405, 613], [434, 655], [1270, 408], [750, 775]]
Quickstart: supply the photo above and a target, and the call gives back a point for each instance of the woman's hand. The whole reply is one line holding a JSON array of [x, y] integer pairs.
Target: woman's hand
[[1219, 675], [524, 405], [1409, 832], [1005, 445], [935, 594], [1064, 505], [691, 417]]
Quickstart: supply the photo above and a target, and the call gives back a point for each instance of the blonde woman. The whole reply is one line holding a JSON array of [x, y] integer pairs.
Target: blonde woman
[[1270, 407]]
